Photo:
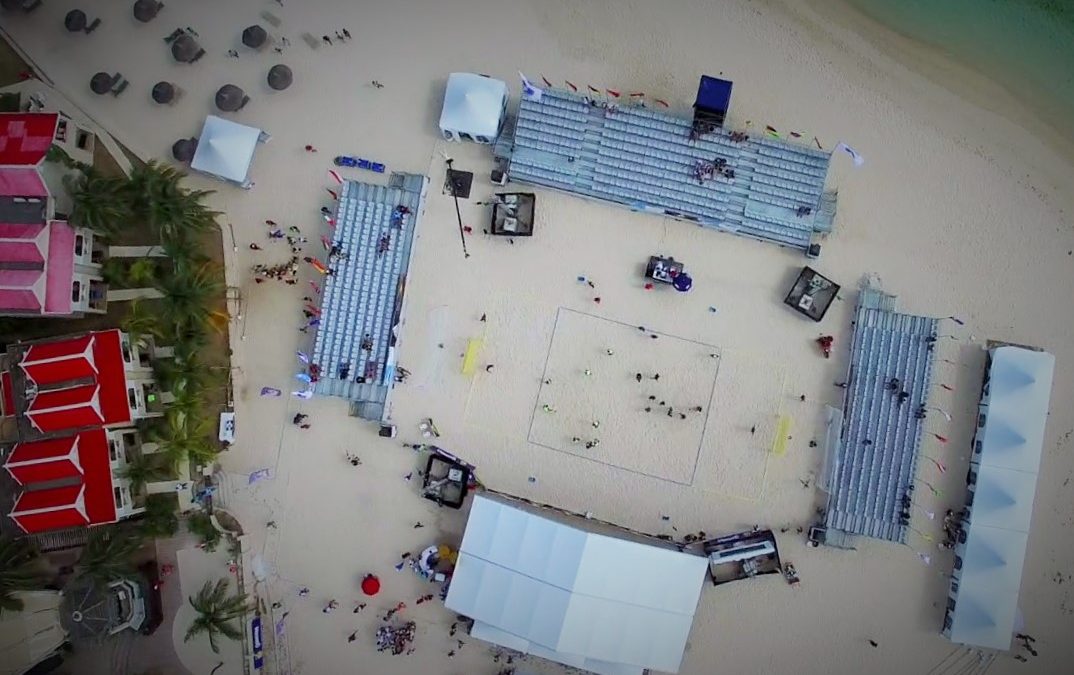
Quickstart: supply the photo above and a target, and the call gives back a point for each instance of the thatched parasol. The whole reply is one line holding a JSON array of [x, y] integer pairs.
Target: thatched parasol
[[229, 98], [280, 77], [254, 36], [146, 10], [184, 48], [183, 149], [163, 92], [75, 21], [101, 83], [11, 4]]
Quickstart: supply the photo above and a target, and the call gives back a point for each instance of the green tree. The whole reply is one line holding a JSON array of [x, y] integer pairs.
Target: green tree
[[20, 570], [160, 201], [141, 320], [216, 611], [189, 293], [201, 524], [101, 202], [159, 519], [143, 468], [142, 272], [108, 554], [183, 435]]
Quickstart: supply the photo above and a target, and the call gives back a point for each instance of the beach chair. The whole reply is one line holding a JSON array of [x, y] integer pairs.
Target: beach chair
[[93, 25], [120, 86], [174, 35], [197, 57], [245, 100], [30, 5]]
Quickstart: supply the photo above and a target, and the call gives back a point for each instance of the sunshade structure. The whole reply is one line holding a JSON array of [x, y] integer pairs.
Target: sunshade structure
[[75, 21], [146, 10], [600, 603], [230, 98], [183, 149], [226, 150], [474, 108], [163, 92], [280, 77], [983, 600], [185, 48], [254, 37], [101, 83], [371, 584]]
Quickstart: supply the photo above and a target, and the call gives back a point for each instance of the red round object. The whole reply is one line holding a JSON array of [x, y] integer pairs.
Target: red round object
[[371, 584]]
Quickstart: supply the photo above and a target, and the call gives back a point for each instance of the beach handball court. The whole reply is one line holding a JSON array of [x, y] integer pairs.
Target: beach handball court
[[590, 404]]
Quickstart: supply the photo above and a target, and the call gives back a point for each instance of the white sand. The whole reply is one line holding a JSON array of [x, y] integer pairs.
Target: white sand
[[958, 210]]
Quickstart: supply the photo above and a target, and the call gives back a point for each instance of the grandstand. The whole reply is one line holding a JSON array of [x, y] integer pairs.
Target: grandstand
[[755, 186], [363, 297], [872, 461]]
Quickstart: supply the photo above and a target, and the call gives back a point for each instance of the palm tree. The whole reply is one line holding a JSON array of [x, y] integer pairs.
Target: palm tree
[[216, 610], [141, 320], [142, 272], [141, 469], [101, 202], [159, 519], [167, 207], [108, 554], [181, 437], [20, 570], [189, 293]]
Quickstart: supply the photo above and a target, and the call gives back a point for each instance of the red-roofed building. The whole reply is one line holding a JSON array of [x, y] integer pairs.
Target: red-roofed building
[[58, 386], [47, 267], [72, 481]]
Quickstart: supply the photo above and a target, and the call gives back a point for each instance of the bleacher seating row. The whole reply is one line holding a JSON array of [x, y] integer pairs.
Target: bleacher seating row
[[631, 155]]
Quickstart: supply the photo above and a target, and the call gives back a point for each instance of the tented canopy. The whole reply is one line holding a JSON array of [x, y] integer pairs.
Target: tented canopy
[[591, 601], [225, 149], [473, 105], [1003, 473]]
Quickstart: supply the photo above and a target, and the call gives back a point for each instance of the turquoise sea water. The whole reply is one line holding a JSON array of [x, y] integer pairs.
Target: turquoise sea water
[[1027, 45]]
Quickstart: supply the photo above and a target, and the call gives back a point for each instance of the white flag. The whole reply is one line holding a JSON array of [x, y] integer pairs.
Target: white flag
[[858, 159], [528, 90]]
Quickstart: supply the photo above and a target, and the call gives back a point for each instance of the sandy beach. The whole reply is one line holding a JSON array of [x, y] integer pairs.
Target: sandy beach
[[957, 210]]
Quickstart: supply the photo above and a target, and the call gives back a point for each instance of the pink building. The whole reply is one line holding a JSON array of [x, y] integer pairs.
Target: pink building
[[48, 268]]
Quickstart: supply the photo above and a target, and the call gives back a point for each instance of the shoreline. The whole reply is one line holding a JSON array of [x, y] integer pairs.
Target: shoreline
[[1027, 133]]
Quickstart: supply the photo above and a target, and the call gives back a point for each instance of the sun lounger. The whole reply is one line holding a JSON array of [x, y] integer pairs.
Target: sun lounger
[[93, 25], [121, 86]]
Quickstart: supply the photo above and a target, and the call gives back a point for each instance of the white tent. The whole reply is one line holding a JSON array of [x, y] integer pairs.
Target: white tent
[[591, 601], [474, 108], [226, 150], [1014, 410]]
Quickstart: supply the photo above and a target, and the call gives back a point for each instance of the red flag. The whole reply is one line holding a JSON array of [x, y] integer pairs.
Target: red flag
[[334, 195], [636, 93], [939, 467], [661, 102], [612, 92], [593, 89], [571, 85], [546, 82], [335, 176], [940, 438]]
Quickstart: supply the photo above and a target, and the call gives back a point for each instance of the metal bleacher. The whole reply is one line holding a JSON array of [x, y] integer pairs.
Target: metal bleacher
[[880, 439], [364, 295], [645, 160]]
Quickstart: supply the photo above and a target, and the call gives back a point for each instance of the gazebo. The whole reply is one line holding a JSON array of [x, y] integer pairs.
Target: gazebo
[[474, 108], [101, 83], [183, 149], [164, 92], [254, 37], [146, 10], [280, 77], [75, 21], [226, 149]]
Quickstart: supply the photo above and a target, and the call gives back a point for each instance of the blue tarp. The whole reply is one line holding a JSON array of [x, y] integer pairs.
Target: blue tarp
[[713, 94]]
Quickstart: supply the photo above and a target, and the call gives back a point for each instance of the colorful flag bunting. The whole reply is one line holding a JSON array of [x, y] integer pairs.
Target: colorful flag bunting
[[546, 82], [613, 92], [335, 176], [662, 102], [571, 85]]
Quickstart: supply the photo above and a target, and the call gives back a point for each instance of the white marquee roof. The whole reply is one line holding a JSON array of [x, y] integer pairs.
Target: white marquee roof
[[473, 105], [1016, 409], [596, 602], [225, 149]]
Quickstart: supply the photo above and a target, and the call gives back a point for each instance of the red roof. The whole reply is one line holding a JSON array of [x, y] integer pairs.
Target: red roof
[[88, 502], [37, 268], [22, 183], [97, 357], [26, 137], [59, 268]]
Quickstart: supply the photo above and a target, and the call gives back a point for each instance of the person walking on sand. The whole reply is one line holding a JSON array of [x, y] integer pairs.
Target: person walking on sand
[[376, 84], [255, 247], [309, 148]]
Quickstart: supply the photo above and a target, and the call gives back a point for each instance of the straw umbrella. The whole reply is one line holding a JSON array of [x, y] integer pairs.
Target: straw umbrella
[[146, 10], [280, 77], [75, 21], [163, 92], [101, 83], [229, 98], [184, 48], [254, 37], [183, 149]]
